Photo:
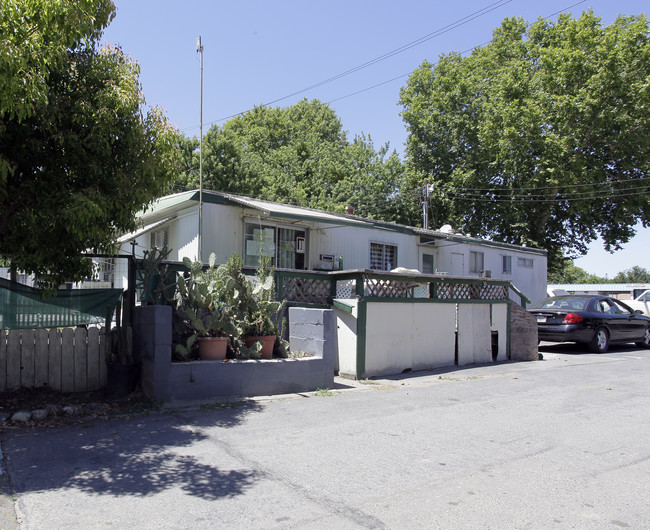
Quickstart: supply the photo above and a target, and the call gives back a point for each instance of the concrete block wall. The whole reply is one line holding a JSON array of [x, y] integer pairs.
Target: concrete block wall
[[313, 331], [152, 345], [164, 380], [523, 334]]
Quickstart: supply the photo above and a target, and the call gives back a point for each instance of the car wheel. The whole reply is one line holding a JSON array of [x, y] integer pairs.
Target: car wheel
[[645, 343], [600, 342]]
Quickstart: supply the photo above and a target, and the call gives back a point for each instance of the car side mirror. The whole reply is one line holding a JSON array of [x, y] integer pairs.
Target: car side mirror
[[638, 312]]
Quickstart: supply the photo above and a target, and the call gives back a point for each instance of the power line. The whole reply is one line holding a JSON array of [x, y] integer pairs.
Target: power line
[[559, 186], [468, 50], [527, 200], [441, 31], [445, 29], [437, 33]]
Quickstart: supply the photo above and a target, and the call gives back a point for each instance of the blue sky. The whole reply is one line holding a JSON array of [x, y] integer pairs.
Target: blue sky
[[258, 52]]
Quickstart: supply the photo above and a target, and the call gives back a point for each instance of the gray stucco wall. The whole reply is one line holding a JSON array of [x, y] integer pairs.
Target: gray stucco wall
[[166, 381], [523, 334]]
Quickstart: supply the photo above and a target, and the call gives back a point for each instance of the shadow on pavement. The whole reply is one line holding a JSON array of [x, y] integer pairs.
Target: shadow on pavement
[[569, 348], [136, 456]]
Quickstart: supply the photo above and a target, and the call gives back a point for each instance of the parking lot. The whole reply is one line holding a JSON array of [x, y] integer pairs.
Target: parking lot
[[561, 442]]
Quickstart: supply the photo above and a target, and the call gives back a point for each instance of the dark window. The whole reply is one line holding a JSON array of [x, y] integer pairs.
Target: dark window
[[383, 257]]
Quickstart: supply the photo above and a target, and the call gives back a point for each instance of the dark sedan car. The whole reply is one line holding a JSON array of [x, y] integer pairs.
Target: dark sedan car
[[595, 321]]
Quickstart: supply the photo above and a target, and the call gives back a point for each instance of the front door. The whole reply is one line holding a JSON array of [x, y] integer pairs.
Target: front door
[[291, 249], [457, 264]]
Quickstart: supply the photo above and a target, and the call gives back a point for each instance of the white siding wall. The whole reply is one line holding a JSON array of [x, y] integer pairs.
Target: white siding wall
[[354, 245], [531, 281], [222, 231], [223, 235], [183, 238], [409, 336]]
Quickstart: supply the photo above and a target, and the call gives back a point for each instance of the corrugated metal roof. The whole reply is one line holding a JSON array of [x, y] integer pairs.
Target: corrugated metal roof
[[175, 202], [147, 228], [598, 286], [458, 237], [289, 211]]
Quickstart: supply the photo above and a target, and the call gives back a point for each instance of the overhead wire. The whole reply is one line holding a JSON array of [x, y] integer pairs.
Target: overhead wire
[[468, 50], [445, 29]]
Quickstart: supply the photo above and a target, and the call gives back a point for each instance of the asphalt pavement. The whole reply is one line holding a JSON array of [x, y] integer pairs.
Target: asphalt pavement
[[559, 443]]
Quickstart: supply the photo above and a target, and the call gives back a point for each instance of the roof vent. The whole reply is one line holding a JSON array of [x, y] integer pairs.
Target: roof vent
[[446, 229]]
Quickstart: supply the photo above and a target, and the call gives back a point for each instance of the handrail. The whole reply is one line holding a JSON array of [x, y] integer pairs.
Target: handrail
[[524, 299], [320, 287]]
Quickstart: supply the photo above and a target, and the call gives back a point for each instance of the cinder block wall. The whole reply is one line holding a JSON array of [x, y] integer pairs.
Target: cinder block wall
[[313, 331], [523, 334], [167, 381]]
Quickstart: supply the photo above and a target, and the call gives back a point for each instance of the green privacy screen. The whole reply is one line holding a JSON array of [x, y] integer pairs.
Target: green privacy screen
[[23, 307]]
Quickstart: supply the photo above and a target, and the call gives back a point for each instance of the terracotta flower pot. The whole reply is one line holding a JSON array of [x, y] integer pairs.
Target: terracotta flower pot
[[212, 348], [267, 341]]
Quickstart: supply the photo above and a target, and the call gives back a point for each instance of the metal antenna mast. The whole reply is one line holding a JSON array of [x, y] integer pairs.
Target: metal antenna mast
[[425, 205], [199, 49]]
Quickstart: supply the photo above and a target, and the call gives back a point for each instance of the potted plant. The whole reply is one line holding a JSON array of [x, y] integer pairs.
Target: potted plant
[[204, 303], [262, 314]]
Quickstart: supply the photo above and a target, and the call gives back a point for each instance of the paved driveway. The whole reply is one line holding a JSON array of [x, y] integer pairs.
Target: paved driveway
[[558, 443]]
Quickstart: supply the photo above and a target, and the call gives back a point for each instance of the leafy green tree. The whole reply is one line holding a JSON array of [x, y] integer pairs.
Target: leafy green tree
[[371, 181], [188, 175], [300, 155], [567, 272], [78, 155], [635, 274], [539, 137]]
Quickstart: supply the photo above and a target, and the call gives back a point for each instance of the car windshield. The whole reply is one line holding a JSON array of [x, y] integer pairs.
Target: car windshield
[[572, 304]]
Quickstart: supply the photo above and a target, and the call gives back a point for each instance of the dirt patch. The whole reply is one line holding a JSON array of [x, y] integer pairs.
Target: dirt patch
[[67, 408]]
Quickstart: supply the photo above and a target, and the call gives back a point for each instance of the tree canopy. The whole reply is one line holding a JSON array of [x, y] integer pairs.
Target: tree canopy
[[567, 272], [78, 154], [635, 274], [298, 155], [539, 137]]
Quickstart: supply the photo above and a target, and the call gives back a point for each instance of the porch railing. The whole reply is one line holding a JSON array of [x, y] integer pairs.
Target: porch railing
[[320, 288]]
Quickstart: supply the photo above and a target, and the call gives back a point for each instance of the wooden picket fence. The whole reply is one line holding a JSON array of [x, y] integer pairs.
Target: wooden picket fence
[[65, 360]]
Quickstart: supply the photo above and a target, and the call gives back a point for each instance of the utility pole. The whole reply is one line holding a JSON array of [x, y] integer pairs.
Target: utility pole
[[425, 206], [199, 49]]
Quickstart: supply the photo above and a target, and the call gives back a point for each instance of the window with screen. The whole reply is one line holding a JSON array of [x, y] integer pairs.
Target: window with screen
[[506, 264], [160, 238], [476, 260], [383, 257], [427, 264], [526, 263]]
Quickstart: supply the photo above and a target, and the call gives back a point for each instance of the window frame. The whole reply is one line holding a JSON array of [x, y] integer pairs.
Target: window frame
[[522, 263], [474, 267], [433, 263], [384, 257], [160, 233], [250, 225], [506, 264]]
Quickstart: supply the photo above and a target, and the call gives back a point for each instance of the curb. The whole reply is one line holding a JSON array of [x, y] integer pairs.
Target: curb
[[8, 520]]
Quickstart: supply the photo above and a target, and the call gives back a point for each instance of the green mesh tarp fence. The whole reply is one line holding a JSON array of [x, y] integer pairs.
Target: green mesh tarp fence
[[23, 307]]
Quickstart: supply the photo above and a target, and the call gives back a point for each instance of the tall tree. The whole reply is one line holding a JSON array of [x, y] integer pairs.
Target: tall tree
[[636, 274], [78, 155], [567, 272], [300, 155], [539, 137]]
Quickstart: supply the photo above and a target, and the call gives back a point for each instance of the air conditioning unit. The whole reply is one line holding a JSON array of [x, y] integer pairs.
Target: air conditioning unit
[[486, 274]]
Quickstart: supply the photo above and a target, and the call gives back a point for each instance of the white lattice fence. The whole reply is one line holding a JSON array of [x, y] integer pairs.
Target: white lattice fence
[[306, 290], [67, 360], [467, 291]]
